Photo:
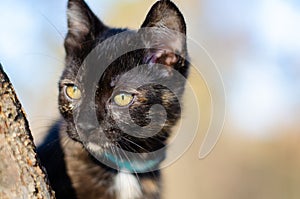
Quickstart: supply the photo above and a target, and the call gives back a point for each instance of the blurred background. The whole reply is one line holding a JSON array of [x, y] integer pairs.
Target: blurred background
[[256, 46]]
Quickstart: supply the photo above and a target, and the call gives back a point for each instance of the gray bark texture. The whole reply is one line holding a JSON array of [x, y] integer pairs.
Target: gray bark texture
[[21, 174]]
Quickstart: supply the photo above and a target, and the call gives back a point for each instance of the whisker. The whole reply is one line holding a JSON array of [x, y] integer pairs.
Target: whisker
[[134, 144], [52, 25], [135, 172], [64, 140], [130, 147], [60, 61], [114, 154]]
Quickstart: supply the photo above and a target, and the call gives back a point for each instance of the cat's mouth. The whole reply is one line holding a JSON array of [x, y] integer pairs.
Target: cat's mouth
[[112, 155], [114, 148]]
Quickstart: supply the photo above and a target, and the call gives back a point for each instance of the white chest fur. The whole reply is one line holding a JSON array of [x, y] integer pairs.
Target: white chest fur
[[127, 186]]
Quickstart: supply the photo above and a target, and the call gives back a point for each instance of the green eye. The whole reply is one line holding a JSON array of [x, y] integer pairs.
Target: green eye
[[73, 92], [123, 99]]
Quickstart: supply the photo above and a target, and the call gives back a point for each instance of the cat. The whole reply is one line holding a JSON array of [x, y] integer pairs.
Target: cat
[[83, 152]]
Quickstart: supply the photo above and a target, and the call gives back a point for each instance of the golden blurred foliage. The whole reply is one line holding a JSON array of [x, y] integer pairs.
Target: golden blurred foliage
[[238, 167], [131, 14]]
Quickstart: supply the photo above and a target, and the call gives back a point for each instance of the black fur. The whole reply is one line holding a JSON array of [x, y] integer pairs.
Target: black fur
[[86, 31]]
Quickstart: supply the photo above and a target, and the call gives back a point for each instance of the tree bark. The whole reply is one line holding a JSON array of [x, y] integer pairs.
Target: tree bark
[[21, 174]]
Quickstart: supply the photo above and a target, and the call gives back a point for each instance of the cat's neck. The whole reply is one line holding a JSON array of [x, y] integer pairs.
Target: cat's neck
[[91, 179], [132, 165]]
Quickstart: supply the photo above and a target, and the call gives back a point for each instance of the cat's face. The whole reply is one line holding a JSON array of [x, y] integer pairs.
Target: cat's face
[[130, 99]]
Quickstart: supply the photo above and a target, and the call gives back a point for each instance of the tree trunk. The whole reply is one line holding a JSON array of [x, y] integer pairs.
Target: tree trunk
[[21, 174]]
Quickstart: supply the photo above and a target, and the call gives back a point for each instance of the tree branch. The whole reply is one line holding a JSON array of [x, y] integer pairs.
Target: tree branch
[[21, 174]]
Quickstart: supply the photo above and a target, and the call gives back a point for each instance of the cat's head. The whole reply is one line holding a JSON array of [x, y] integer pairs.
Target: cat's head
[[122, 88]]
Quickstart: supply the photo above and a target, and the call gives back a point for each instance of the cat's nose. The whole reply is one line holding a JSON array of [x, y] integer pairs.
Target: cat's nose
[[86, 120], [86, 126]]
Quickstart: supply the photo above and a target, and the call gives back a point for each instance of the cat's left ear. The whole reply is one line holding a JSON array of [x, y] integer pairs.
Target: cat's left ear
[[168, 34]]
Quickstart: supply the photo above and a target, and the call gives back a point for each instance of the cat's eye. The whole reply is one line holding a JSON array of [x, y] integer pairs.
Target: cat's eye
[[73, 92], [123, 99]]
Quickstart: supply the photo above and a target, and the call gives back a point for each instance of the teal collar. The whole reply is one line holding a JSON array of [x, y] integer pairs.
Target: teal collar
[[134, 166]]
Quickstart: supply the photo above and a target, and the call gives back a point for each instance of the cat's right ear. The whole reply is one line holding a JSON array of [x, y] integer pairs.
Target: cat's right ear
[[83, 28]]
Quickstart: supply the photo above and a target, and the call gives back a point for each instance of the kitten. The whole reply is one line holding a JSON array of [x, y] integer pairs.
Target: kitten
[[107, 97]]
